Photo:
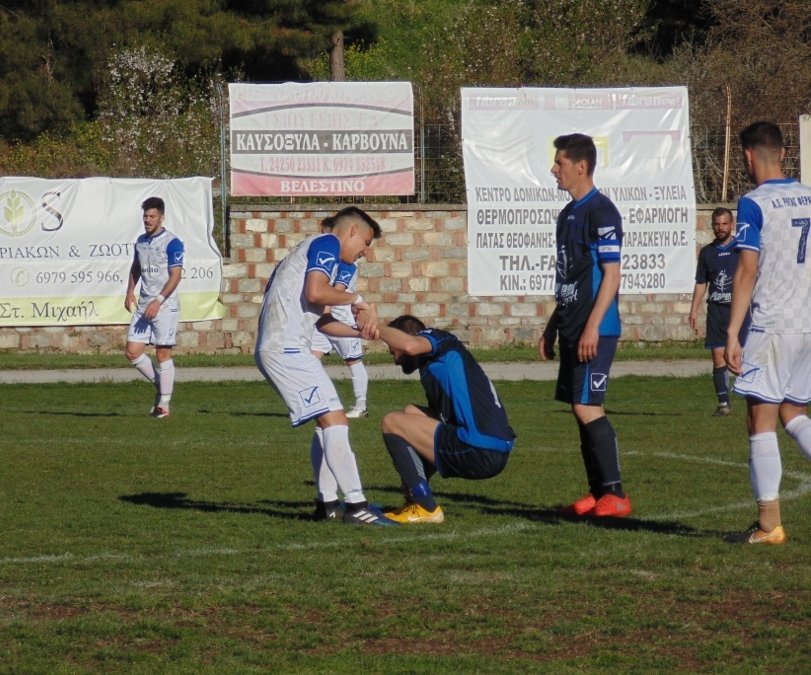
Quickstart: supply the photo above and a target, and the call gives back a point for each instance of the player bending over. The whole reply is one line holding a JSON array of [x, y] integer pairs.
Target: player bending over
[[463, 432]]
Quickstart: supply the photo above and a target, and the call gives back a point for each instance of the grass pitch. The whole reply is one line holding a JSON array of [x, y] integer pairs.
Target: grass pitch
[[185, 546]]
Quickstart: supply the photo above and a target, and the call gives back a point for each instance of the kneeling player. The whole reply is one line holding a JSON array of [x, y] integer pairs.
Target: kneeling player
[[463, 432]]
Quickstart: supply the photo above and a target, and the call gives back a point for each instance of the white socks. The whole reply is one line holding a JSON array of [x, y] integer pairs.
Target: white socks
[[800, 430], [143, 365], [765, 467], [342, 464], [325, 483], [166, 381], [360, 383]]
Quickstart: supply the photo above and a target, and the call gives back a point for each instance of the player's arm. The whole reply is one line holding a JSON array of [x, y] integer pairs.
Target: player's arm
[[546, 344], [698, 295], [412, 345], [319, 291], [609, 287], [743, 285], [132, 281], [175, 275]]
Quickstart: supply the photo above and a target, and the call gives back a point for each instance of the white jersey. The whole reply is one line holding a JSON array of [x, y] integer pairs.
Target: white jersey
[[287, 319], [156, 255], [774, 220], [347, 276]]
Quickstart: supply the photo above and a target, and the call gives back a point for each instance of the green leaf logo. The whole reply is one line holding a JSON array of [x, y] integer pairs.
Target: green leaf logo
[[19, 214]]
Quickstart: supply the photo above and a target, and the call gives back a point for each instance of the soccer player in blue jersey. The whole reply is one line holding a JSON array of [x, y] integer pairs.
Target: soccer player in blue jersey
[[158, 266], [716, 266], [463, 432], [586, 320], [773, 281], [295, 301]]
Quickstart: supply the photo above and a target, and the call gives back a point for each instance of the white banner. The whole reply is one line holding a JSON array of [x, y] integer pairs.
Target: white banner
[[643, 164], [66, 247], [322, 138]]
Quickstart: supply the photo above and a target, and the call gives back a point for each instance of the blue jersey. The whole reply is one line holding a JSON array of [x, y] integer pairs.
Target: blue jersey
[[459, 390], [589, 234], [716, 267]]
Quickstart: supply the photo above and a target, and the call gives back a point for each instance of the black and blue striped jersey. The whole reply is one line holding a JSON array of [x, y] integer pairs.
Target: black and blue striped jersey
[[459, 390], [589, 234]]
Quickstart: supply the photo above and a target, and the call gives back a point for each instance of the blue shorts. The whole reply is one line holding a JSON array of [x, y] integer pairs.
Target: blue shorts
[[717, 322], [585, 383], [455, 459]]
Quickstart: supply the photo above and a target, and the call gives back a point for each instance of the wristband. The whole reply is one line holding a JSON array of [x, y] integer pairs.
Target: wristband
[[358, 300], [160, 299]]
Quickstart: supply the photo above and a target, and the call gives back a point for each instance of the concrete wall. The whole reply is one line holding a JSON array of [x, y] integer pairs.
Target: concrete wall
[[419, 267]]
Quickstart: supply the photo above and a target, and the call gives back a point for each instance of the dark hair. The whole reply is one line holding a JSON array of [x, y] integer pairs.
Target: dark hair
[[408, 324], [154, 203], [721, 211], [765, 135], [351, 212], [578, 147]]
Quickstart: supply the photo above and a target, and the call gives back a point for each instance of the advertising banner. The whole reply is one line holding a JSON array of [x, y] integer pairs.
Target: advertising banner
[[643, 164], [322, 138], [66, 247]]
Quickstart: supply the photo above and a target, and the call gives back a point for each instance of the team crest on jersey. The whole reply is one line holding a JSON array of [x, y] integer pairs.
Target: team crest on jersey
[[310, 396], [598, 381], [325, 260]]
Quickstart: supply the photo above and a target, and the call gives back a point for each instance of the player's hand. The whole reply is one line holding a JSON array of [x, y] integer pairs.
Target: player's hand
[[152, 309], [694, 321], [546, 345], [130, 303], [732, 356], [587, 345]]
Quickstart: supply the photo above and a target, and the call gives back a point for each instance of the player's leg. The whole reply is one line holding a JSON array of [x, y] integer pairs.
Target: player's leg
[[765, 470], [716, 339], [360, 388], [327, 505], [409, 438], [794, 409], [589, 384], [767, 372], [720, 381], [164, 336], [351, 351], [309, 394], [138, 336], [797, 425]]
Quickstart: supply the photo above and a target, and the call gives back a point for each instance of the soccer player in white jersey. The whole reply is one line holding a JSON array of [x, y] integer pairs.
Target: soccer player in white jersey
[[773, 276], [295, 301], [350, 349], [158, 265]]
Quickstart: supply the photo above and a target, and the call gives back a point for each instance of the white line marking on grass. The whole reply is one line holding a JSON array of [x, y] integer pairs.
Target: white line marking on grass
[[803, 488], [421, 535]]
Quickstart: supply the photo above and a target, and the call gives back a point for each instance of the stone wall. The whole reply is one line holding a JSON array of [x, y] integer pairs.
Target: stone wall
[[419, 267]]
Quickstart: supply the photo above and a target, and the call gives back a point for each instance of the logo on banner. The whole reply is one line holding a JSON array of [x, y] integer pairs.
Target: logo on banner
[[18, 213]]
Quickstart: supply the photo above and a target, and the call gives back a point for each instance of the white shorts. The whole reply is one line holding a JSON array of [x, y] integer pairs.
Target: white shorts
[[776, 368], [348, 348], [161, 331], [302, 383]]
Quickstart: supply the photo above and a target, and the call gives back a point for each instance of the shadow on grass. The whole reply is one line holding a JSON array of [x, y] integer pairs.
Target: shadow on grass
[[71, 413], [555, 515], [178, 500], [206, 411]]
